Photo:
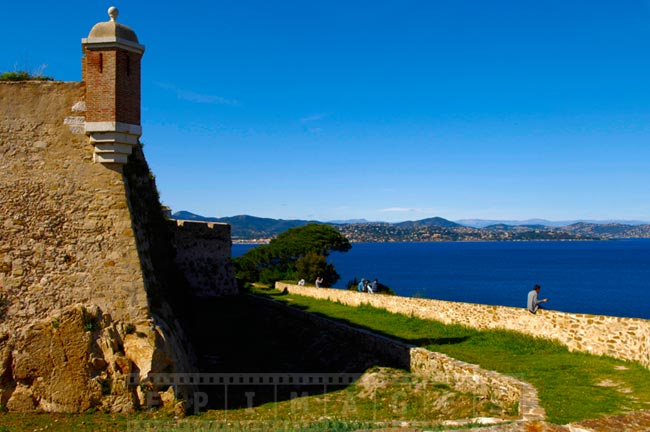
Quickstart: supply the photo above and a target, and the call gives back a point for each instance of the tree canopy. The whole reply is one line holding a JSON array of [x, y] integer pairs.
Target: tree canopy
[[298, 253]]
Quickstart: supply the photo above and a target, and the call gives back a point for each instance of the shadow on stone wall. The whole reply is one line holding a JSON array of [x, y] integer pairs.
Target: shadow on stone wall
[[243, 334]]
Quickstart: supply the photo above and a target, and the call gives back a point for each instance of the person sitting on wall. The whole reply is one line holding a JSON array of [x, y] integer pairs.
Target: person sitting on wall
[[301, 282], [319, 281], [533, 302], [360, 286]]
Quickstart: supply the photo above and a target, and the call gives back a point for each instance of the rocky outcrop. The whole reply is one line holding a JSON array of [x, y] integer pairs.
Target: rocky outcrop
[[57, 364], [80, 359]]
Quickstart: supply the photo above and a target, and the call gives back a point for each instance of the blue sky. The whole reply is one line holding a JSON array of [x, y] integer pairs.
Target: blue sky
[[380, 109]]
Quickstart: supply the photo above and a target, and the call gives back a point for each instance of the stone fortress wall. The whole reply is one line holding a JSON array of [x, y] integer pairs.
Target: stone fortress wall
[[91, 289], [622, 338], [65, 221], [203, 254]]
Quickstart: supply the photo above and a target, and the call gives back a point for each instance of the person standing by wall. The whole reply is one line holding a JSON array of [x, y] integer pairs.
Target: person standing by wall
[[533, 301]]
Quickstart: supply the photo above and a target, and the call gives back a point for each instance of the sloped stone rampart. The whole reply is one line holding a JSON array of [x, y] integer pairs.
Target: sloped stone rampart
[[622, 338], [65, 238], [76, 234], [65, 227], [203, 254]]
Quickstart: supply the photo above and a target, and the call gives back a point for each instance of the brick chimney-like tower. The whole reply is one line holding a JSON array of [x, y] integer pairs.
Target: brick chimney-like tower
[[111, 71]]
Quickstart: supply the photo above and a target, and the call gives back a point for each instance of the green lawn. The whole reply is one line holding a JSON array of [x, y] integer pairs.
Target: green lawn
[[53, 422], [572, 386]]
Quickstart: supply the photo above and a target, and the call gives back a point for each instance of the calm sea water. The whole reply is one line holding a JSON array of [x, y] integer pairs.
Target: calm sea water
[[604, 278]]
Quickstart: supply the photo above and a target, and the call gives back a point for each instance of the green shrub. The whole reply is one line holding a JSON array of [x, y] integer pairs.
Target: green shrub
[[23, 76], [89, 321]]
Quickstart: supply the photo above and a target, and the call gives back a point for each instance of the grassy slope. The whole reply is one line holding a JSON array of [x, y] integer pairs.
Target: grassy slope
[[568, 383], [572, 386]]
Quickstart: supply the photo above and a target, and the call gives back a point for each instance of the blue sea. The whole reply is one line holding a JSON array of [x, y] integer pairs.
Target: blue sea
[[596, 277]]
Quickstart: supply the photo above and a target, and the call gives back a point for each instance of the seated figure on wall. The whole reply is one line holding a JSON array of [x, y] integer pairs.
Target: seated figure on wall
[[533, 302]]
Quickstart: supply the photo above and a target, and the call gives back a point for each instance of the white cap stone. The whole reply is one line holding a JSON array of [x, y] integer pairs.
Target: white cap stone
[[113, 12]]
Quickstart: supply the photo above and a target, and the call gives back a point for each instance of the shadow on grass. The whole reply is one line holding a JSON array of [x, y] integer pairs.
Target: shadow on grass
[[439, 341], [281, 297], [243, 335], [419, 342]]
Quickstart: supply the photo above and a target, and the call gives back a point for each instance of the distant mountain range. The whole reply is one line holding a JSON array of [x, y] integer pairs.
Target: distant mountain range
[[246, 228], [482, 223], [430, 222]]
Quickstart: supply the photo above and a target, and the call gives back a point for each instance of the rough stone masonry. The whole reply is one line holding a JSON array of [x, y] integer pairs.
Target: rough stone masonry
[[92, 289]]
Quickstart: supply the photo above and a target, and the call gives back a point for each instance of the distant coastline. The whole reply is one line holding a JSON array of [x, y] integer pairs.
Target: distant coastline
[[266, 241], [255, 230]]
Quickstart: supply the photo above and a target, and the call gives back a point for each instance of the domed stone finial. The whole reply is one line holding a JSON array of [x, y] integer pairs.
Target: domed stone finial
[[113, 13]]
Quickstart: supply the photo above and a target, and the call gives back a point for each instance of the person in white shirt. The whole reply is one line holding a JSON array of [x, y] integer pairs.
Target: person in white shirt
[[533, 301]]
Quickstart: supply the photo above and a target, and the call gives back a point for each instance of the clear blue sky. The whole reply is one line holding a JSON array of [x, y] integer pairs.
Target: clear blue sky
[[379, 109]]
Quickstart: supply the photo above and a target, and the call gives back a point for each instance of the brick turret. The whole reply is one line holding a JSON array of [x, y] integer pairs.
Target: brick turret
[[111, 72]]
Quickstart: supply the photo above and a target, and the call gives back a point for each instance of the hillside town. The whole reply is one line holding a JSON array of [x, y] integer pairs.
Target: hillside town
[[383, 232]]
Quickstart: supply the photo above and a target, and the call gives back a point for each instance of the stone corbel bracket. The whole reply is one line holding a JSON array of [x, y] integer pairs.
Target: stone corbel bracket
[[113, 141]]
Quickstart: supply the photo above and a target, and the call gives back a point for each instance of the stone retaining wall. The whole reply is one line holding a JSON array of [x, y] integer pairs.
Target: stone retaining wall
[[622, 338], [461, 376], [471, 378]]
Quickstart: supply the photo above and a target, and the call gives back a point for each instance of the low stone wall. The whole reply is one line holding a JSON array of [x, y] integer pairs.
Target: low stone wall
[[500, 389], [203, 255], [622, 338], [470, 378]]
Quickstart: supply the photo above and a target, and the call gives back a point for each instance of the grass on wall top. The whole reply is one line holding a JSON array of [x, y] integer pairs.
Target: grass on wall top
[[23, 76]]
